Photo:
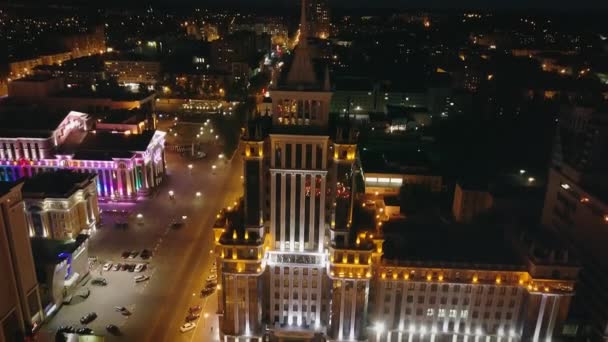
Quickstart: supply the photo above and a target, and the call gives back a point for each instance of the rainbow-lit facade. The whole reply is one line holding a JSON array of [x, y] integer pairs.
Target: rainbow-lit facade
[[127, 165]]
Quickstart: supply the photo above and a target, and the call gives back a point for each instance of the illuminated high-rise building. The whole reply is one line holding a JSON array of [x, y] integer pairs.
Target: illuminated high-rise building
[[302, 257], [319, 18]]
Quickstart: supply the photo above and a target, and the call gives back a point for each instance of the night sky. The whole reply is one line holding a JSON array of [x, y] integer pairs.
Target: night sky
[[431, 4]]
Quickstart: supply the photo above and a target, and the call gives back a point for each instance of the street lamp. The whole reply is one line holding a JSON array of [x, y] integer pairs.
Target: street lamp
[[190, 166], [217, 137], [140, 216], [198, 194], [221, 156], [171, 194]]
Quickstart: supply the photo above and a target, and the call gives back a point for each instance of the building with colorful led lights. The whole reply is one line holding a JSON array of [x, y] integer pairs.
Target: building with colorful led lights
[[301, 257], [127, 165]]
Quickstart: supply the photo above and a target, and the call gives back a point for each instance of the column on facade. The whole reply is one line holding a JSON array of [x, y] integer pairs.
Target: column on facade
[[341, 322], [120, 182], [129, 183], [311, 221], [302, 207], [322, 214], [292, 210], [353, 308], [273, 207], [282, 203], [144, 168]]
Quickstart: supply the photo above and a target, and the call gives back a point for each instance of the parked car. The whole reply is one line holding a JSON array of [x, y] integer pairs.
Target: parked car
[[192, 317], [187, 327], [88, 318], [131, 268], [124, 311], [107, 266], [99, 281], [145, 254], [112, 329], [212, 277], [126, 254], [116, 267], [141, 278], [84, 331], [133, 254], [125, 267], [140, 267], [66, 329], [194, 309]]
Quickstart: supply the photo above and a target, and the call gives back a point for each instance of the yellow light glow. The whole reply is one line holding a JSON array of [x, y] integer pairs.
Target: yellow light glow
[[475, 279], [406, 276], [429, 277], [440, 277], [498, 280], [234, 235], [383, 275], [246, 235]]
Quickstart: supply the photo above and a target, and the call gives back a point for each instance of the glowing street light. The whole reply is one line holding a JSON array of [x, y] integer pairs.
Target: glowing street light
[[213, 167], [217, 137], [140, 216], [198, 194], [221, 156], [379, 328], [171, 194], [190, 166]]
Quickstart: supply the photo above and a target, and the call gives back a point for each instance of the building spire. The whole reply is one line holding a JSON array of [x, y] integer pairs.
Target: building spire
[[302, 72], [303, 25]]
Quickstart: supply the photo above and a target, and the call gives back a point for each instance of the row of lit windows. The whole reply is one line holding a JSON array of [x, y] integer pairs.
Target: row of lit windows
[[455, 301], [455, 288]]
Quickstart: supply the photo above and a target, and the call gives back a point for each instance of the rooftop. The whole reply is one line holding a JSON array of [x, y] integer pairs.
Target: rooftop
[[35, 78], [118, 144], [419, 243], [5, 187], [59, 184], [31, 121], [411, 158]]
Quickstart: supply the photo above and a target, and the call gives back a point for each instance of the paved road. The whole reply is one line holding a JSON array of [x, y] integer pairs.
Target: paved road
[[181, 258]]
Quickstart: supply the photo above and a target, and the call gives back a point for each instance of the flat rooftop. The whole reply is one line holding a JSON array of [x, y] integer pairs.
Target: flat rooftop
[[398, 158], [29, 121], [438, 243], [35, 78], [5, 187], [101, 141], [123, 116], [114, 93], [58, 184]]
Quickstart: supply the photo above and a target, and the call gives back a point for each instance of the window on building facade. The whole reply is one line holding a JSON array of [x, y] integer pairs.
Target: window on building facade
[[430, 312]]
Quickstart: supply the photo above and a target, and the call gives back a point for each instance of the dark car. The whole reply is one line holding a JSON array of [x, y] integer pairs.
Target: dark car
[[99, 281], [88, 318], [126, 254], [67, 329], [112, 329], [145, 254], [194, 309], [131, 268], [133, 254], [125, 267], [206, 292], [84, 331], [192, 317], [116, 267]]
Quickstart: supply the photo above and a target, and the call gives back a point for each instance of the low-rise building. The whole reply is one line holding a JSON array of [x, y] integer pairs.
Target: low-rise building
[[33, 142], [133, 69], [61, 205]]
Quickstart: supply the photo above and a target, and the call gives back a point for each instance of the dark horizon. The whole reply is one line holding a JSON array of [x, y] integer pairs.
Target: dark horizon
[[481, 5]]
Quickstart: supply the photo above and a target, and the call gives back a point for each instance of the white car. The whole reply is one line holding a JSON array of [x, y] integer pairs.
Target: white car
[[140, 267], [141, 278], [107, 266], [212, 277], [187, 327]]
